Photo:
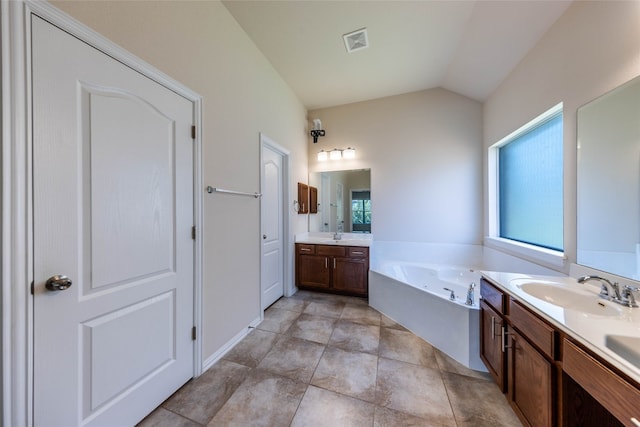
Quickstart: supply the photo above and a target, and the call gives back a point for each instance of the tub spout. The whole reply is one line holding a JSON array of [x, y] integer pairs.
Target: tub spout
[[470, 294], [452, 297]]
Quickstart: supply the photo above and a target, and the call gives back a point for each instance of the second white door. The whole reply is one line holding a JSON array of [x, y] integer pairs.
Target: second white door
[[271, 211]]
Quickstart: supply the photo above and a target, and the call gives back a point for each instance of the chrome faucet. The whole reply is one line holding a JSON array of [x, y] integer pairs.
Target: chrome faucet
[[608, 290], [452, 297], [628, 297], [470, 292], [337, 235]]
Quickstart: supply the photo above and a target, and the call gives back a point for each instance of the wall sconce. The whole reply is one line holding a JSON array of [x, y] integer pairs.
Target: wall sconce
[[317, 130], [336, 154]]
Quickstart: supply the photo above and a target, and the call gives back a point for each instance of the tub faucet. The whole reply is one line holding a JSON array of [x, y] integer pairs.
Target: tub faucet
[[452, 297], [470, 292], [609, 290]]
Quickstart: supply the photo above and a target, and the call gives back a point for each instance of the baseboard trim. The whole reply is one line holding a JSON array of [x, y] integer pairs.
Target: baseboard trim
[[211, 360]]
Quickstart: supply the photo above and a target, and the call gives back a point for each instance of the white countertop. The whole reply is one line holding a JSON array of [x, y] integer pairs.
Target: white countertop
[[591, 330], [346, 239]]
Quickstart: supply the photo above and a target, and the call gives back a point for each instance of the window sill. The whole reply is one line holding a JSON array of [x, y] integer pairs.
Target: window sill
[[528, 252]]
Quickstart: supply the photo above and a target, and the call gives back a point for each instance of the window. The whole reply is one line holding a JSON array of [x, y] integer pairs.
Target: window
[[361, 211], [529, 180]]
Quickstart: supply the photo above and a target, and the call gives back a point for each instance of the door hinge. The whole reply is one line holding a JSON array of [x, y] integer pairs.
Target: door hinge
[[193, 333], [32, 290], [193, 232], [193, 132]]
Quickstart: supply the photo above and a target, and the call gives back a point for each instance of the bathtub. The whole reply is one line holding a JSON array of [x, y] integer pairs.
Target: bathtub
[[414, 295], [407, 281], [443, 281]]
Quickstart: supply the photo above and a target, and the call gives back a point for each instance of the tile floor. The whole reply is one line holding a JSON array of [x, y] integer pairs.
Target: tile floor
[[326, 360]]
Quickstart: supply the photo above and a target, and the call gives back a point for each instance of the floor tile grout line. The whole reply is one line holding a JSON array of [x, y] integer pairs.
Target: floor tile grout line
[[185, 417], [446, 390], [293, 417]]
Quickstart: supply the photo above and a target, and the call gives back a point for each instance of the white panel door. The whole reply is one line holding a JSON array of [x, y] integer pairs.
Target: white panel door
[[113, 211], [272, 266]]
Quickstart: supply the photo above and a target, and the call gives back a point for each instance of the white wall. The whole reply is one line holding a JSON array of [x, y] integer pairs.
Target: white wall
[[202, 46], [424, 151], [591, 49]]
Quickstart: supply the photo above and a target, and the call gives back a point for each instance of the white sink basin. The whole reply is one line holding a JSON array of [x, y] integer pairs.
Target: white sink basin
[[626, 347], [565, 296]]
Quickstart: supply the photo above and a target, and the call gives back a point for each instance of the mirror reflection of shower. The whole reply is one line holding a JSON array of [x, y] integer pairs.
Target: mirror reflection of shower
[[344, 202]]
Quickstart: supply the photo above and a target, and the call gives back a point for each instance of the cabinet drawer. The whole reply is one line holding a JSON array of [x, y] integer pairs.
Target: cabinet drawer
[[358, 252], [535, 329], [618, 396], [331, 250], [492, 296], [306, 249]]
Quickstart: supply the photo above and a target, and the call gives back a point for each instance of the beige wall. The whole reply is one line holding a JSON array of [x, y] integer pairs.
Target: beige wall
[[424, 151], [591, 49], [199, 44]]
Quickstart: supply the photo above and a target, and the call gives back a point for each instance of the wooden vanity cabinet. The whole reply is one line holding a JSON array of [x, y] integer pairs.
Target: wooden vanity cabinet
[[336, 269], [608, 398], [551, 379], [532, 353], [491, 324], [519, 350], [532, 385], [311, 270]]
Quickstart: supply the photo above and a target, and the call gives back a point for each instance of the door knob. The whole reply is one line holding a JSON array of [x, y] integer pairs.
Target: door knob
[[58, 282], [264, 236]]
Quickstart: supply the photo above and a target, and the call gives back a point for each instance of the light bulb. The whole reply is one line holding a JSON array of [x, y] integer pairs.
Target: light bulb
[[349, 153]]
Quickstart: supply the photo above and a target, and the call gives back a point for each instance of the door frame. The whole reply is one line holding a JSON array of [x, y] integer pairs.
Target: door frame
[[16, 266], [288, 290]]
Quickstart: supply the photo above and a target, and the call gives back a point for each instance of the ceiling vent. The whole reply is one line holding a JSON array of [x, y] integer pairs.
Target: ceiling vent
[[356, 40]]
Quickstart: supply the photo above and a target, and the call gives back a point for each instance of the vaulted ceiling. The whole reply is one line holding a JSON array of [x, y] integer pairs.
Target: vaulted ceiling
[[465, 46]]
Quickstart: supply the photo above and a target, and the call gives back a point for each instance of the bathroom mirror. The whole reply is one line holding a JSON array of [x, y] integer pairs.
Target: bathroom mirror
[[608, 227], [344, 201]]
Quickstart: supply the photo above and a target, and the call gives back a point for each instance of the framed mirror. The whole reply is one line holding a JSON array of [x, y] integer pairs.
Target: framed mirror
[[343, 201], [608, 227]]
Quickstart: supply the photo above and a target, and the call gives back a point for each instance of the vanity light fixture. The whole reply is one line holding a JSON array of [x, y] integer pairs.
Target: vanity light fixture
[[337, 154]]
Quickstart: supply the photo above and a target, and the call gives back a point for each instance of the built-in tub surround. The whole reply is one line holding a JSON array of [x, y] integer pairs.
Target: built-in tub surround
[[451, 326], [396, 288]]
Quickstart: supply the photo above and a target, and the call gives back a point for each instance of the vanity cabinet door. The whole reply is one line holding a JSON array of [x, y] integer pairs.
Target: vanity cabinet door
[[303, 198], [491, 353], [314, 271], [531, 383], [350, 275]]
